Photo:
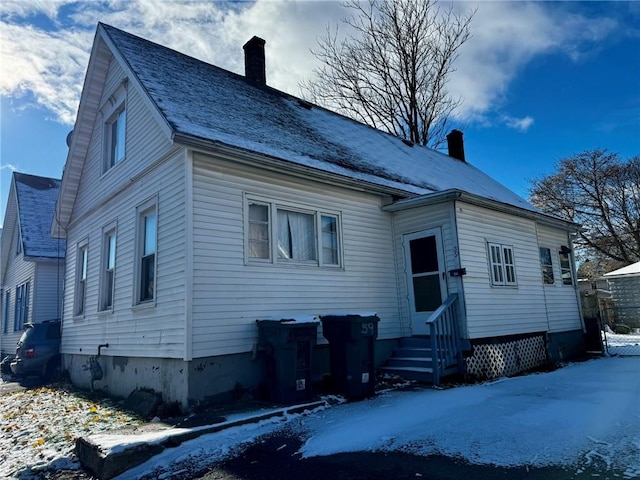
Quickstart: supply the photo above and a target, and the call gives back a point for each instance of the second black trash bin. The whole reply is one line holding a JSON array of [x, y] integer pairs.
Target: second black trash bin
[[352, 339], [289, 349]]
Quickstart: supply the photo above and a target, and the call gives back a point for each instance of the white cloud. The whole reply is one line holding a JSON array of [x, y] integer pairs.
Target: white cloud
[[507, 36], [521, 124], [49, 65], [8, 166]]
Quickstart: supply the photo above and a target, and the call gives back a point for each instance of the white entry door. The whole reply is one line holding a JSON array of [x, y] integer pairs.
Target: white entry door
[[426, 280]]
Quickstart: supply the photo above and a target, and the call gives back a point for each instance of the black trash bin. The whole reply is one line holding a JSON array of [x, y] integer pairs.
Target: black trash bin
[[352, 340], [288, 345]]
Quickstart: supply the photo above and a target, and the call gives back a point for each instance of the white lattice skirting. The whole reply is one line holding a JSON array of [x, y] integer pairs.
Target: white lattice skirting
[[493, 360]]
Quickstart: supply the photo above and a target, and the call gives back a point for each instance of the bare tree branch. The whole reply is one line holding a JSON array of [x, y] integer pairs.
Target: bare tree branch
[[601, 192], [392, 71]]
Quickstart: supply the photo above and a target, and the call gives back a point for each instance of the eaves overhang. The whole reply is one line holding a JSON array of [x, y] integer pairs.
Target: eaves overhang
[[249, 157], [477, 200]]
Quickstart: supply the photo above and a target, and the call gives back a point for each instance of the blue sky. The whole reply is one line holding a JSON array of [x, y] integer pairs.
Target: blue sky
[[540, 80]]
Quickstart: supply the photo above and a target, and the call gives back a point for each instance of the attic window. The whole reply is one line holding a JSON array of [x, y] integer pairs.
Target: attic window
[[115, 127]]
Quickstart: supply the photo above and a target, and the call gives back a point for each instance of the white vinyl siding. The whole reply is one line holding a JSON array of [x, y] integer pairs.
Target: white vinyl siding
[[562, 300], [230, 293], [417, 220], [146, 144], [48, 290], [153, 168], [495, 311], [150, 329]]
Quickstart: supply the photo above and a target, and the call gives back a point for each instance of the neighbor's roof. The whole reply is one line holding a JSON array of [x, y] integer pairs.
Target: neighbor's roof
[[204, 103], [36, 198], [633, 269]]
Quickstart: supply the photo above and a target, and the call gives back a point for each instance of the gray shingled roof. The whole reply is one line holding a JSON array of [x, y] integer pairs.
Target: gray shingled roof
[[36, 198], [204, 102]]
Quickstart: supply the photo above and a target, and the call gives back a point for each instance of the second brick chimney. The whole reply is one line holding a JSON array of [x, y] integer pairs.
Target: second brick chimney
[[254, 64], [456, 145]]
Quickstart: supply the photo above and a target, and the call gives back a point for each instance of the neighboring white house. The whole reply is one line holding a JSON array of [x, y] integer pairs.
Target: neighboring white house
[[31, 259], [624, 285], [195, 201]]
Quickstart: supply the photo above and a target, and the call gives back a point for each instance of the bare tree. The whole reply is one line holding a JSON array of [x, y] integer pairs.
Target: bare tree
[[391, 71], [600, 191]]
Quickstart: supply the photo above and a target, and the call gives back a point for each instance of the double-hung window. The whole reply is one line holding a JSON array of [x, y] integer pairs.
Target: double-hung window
[[294, 234], [502, 265], [82, 265], [22, 307], [147, 232], [108, 268], [114, 112], [546, 265], [565, 268]]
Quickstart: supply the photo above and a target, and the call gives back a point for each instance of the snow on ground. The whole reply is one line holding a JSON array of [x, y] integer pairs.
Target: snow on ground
[[584, 415], [38, 428], [628, 344]]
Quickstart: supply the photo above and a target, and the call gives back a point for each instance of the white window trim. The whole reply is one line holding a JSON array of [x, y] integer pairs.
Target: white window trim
[[274, 205], [141, 210], [111, 228], [110, 110], [80, 246], [502, 264]]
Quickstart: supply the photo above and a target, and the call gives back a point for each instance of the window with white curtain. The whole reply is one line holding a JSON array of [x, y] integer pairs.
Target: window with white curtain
[[278, 233]]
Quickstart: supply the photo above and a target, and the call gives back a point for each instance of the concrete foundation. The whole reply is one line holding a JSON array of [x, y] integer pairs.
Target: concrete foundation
[[207, 380], [566, 346]]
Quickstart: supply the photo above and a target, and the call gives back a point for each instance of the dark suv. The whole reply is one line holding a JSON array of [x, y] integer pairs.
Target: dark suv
[[38, 351]]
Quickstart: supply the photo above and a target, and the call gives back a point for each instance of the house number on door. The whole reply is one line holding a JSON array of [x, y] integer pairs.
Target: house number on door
[[367, 329]]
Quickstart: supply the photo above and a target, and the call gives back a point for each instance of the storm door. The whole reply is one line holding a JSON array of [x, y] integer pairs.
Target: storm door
[[425, 276]]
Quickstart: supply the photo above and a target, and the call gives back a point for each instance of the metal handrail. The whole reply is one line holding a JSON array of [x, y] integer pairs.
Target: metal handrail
[[446, 348]]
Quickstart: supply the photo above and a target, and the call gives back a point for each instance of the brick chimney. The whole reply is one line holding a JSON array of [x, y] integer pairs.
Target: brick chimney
[[254, 64], [456, 145]]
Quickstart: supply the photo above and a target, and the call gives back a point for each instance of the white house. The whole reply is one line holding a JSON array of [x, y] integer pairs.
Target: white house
[[31, 259], [195, 201]]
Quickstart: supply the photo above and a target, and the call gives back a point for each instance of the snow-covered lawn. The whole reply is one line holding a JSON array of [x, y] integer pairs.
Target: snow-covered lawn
[[584, 415], [38, 428]]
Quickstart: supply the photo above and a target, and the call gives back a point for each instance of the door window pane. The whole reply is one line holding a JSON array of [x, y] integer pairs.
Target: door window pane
[[426, 292], [424, 255]]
